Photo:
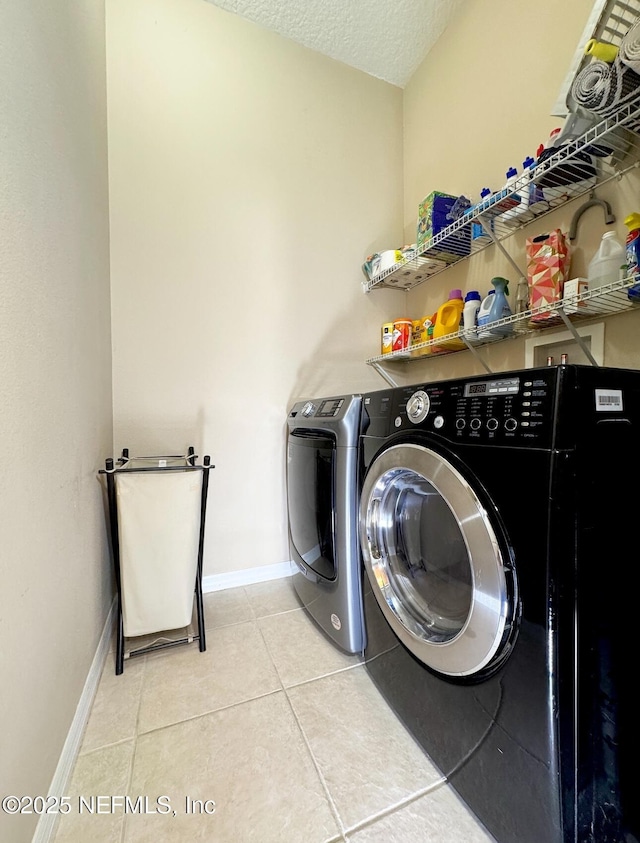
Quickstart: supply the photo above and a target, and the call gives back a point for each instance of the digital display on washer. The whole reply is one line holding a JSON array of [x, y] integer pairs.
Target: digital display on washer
[[329, 408], [506, 386]]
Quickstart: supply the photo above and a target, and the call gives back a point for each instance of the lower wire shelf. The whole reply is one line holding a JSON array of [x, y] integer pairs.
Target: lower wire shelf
[[570, 312]]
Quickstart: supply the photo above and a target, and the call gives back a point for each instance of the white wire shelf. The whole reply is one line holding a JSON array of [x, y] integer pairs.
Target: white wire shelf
[[586, 307], [604, 152]]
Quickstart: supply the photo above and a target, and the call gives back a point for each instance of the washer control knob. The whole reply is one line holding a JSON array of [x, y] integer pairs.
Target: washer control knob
[[438, 422], [492, 424], [308, 409], [418, 407], [510, 425], [476, 424]]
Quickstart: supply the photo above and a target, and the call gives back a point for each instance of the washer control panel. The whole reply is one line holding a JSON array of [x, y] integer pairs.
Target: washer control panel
[[516, 407], [327, 408]]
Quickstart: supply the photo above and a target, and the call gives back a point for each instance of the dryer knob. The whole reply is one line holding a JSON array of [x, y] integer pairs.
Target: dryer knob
[[308, 409], [418, 407]]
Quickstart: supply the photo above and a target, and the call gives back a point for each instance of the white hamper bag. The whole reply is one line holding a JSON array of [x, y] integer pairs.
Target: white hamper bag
[[158, 532]]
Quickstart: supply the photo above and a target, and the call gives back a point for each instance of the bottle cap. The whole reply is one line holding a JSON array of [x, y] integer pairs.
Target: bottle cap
[[632, 221], [486, 191], [501, 282], [528, 162], [455, 294], [511, 172], [473, 295]]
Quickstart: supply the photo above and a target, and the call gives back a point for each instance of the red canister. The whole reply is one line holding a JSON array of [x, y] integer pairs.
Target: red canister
[[401, 335]]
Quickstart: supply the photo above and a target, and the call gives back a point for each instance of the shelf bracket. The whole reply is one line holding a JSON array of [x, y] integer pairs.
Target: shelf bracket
[[385, 375], [577, 337], [477, 355], [488, 230]]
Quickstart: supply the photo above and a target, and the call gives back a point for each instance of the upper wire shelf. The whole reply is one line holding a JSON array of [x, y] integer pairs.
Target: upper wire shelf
[[604, 152], [587, 306]]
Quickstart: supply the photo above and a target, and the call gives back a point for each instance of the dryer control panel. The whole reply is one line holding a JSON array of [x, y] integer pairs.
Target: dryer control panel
[[517, 408]]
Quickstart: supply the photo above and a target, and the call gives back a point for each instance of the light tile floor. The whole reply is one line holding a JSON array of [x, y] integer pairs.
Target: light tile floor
[[273, 734]]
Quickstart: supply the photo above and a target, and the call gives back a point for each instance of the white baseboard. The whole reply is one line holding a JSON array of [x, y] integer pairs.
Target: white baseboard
[[62, 776], [249, 576]]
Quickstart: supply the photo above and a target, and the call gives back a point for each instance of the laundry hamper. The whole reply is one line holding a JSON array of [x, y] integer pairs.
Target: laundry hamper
[[157, 507]]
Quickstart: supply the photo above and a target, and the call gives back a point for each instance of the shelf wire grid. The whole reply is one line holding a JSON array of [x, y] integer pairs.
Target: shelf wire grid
[[587, 306], [604, 152]]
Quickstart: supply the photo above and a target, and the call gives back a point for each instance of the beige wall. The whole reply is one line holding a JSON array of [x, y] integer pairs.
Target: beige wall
[[55, 376], [479, 103], [249, 179]]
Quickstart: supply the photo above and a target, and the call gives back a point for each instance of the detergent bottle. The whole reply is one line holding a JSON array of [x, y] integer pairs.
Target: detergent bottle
[[472, 302], [433, 349], [633, 255], [499, 309], [448, 319], [483, 333]]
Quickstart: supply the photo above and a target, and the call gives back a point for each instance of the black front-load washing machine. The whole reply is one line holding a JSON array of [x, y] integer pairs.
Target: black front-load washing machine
[[497, 524]]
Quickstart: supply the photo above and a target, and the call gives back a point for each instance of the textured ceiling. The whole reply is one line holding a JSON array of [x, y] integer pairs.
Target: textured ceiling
[[386, 38]]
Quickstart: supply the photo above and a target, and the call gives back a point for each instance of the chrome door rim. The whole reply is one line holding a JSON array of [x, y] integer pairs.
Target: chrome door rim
[[479, 641]]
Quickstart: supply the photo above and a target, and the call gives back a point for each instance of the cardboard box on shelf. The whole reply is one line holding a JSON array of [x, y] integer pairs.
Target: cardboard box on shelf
[[434, 216], [572, 289]]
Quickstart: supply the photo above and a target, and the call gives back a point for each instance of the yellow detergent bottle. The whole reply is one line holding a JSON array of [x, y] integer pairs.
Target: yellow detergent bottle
[[448, 321]]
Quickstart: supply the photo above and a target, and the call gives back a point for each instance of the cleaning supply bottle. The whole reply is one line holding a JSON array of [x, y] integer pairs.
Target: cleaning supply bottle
[[483, 333], [449, 316], [522, 305], [520, 211], [499, 309], [478, 233], [433, 349], [605, 265], [537, 202], [472, 302], [632, 249]]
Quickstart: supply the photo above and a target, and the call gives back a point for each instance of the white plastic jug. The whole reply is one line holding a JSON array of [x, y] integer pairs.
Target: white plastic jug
[[605, 265]]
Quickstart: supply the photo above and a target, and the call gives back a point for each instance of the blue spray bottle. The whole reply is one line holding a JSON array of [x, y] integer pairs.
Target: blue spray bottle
[[500, 308]]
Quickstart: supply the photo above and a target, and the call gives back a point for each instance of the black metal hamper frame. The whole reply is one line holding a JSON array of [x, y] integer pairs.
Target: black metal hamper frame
[[110, 470]]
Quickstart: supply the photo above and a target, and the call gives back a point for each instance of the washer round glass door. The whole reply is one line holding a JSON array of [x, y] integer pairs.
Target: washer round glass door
[[434, 561]]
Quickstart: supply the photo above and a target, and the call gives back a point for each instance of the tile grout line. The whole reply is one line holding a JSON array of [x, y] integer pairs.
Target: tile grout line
[[332, 804], [123, 828], [401, 803], [209, 712], [328, 796]]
